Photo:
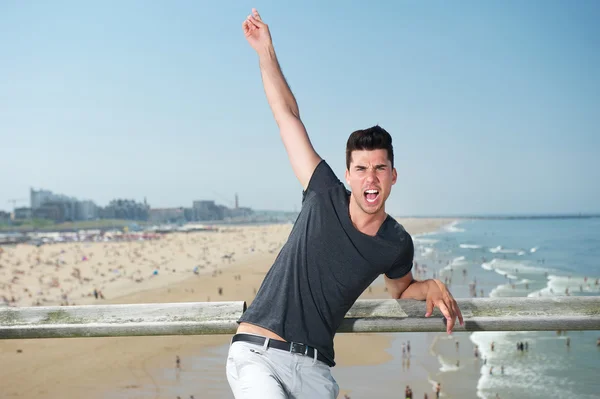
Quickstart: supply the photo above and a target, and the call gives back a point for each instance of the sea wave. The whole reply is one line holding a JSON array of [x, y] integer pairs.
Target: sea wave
[[446, 365], [577, 285], [470, 246], [424, 241], [453, 229], [500, 249]]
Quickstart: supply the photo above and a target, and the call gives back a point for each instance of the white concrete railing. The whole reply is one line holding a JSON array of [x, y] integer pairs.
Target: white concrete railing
[[388, 315]]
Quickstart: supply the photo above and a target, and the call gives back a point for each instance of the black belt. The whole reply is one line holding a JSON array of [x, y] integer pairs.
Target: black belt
[[292, 347]]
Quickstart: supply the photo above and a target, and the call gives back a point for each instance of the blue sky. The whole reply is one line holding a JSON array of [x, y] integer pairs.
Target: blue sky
[[494, 107]]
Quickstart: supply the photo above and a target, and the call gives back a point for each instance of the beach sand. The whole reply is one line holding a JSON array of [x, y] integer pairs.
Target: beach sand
[[234, 259]]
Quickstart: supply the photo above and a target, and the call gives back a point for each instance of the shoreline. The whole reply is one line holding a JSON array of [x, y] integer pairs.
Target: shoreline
[[133, 365]]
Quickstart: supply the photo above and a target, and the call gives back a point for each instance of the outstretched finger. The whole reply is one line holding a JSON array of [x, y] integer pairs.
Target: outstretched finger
[[458, 313], [428, 307], [256, 14], [448, 315]]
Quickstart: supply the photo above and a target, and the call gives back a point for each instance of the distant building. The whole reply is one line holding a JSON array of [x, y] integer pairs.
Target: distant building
[[58, 207], [39, 197], [4, 217], [125, 209], [86, 210], [207, 210], [167, 215], [56, 211], [23, 213], [240, 212], [188, 214]]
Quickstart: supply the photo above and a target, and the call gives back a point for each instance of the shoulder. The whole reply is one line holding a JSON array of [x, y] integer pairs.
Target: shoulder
[[322, 180], [395, 232]]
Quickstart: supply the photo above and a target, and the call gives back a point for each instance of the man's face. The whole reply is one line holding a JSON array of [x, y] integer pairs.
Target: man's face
[[370, 178]]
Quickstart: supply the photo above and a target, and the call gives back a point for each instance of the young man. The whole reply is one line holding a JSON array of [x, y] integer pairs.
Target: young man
[[338, 246]]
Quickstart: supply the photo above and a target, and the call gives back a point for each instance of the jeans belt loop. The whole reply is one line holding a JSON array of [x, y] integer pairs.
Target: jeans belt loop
[[266, 343], [315, 356]]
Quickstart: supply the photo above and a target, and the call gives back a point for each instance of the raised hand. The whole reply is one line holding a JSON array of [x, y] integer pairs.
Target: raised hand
[[256, 32]]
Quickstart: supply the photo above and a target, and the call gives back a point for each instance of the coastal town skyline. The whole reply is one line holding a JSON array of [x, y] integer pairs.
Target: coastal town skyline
[[58, 207]]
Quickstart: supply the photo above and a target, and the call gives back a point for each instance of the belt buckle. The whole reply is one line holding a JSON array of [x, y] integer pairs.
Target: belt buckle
[[296, 347]]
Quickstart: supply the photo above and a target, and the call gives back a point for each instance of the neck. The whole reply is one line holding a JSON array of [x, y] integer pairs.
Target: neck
[[364, 222]]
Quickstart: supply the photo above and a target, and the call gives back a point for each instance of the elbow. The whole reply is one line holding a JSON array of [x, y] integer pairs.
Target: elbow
[[285, 111]]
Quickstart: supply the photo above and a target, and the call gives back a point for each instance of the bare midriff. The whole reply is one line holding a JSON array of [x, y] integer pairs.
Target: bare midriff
[[253, 329]]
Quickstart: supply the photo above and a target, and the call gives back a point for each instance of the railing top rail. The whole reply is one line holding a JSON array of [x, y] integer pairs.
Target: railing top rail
[[385, 315]]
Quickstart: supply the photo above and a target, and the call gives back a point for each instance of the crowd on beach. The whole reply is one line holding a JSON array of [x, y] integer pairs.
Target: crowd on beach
[[82, 272]]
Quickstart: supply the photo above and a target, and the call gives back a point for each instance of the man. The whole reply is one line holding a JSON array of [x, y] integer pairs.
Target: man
[[338, 246]]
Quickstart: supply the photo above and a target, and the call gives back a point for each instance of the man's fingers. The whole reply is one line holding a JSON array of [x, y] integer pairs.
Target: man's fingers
[[429, 308], [255, 21], [252, 22], [248, 28], [256, 14], [449, 317], [459, 314]]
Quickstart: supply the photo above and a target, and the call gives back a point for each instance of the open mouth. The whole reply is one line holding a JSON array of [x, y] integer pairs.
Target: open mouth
[[371, 195]]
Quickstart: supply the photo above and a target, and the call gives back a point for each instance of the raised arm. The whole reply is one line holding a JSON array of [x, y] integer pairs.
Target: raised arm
[[300, 151]]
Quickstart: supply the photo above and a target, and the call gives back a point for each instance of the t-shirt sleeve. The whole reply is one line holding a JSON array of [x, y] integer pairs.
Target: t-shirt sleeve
[[321, 180], [404, 262]]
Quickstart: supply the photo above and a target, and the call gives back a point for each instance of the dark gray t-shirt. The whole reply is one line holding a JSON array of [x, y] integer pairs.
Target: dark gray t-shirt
[[324, 266]]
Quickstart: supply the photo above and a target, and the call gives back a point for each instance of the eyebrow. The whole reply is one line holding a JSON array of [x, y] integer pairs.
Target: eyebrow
[[381, 165]]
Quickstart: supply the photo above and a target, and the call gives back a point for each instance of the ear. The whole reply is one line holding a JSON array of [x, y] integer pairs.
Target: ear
[[347, 175], [394, 176]]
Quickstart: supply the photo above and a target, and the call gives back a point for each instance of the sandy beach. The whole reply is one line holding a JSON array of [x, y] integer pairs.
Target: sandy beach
[[224, 265]]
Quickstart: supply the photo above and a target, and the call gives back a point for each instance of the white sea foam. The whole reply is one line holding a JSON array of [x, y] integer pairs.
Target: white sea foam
[[446, 366], [456, 262], [534, 249], [500, 249], [458, 259], [453, 229], [424, 241], [470, 246], [557, 285], [426, 250], [496, 249], [507, 266]]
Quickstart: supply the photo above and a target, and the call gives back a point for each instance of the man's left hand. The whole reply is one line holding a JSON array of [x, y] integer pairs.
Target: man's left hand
[[439, 296]]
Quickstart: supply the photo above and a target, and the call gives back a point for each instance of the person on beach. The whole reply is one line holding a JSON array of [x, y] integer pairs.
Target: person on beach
[[340, 243]]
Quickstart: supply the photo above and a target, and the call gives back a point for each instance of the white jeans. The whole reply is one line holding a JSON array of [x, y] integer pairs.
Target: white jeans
[[254, 371]]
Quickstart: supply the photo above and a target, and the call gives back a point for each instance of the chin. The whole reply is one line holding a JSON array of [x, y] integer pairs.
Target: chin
[[371, 209]]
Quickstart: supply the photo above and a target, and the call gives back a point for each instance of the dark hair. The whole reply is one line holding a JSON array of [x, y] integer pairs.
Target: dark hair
[[373, 138]]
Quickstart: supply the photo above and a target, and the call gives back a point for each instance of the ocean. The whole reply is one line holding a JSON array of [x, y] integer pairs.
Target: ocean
[[519, 258]]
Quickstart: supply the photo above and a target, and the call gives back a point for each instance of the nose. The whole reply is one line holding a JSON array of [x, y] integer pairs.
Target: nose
[[371, 175]]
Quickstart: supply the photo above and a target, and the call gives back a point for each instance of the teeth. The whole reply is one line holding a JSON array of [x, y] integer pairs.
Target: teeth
[[371, 191]]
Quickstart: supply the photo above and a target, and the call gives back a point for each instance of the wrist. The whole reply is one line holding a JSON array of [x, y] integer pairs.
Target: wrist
[[431, 284], [266, 53]]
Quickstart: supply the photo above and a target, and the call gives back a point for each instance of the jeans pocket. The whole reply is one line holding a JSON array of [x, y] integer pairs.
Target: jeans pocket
[[231, 368]]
